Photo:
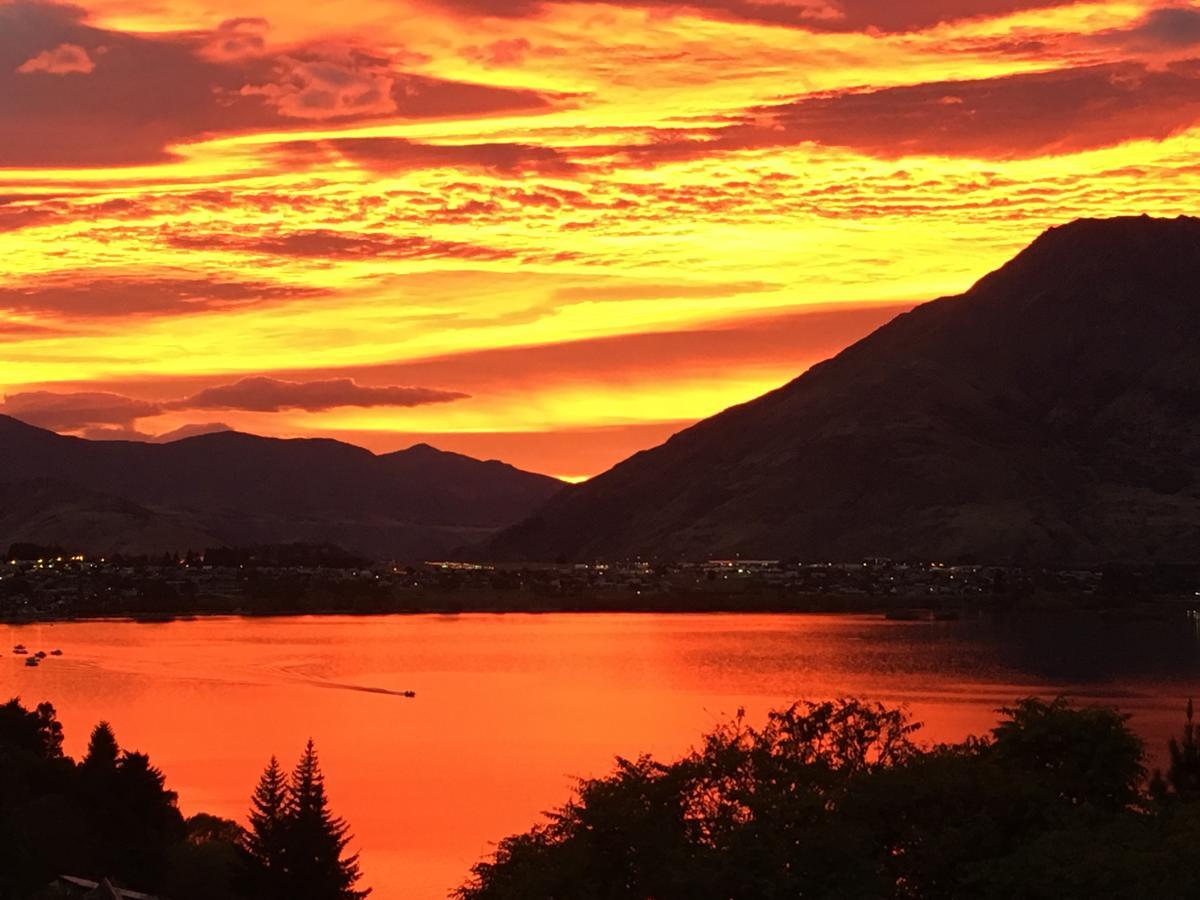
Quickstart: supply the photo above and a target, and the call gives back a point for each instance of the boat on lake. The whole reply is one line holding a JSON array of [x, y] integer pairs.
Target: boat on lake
[[32, 661]]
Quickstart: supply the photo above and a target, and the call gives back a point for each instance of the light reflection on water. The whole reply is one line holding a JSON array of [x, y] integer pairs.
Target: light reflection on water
[[510, 708]]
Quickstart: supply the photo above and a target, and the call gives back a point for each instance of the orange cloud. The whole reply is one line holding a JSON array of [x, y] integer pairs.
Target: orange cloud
[[65, 59]]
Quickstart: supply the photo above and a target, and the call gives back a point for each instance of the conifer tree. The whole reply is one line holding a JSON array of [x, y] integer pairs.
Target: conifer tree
[[266, 841], [1182, 780], [317, 840], [103, 750]]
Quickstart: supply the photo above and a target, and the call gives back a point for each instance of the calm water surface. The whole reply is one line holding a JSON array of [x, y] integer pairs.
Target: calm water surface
[[509, 709]]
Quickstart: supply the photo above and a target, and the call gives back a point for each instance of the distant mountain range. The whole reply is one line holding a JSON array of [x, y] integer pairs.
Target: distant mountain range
[[1050, 413], [240, 490]]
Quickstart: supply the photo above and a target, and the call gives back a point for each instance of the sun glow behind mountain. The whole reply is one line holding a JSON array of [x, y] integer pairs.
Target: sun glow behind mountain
[[547, 232]]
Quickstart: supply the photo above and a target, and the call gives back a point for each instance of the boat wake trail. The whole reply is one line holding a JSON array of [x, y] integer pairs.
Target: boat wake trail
[[362, 688]]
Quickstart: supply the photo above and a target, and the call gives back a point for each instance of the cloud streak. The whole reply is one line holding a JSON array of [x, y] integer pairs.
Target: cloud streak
[[1009, 117], [335, 244], [122, 296], [814, 15], [264, 394], [390, 155], [114, 416]]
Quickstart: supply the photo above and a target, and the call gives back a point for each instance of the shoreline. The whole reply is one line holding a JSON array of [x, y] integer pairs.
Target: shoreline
[[1160, 609]]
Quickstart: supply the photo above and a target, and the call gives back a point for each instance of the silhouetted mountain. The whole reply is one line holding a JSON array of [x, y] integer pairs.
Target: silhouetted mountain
[[1050, 413], [239, 489]]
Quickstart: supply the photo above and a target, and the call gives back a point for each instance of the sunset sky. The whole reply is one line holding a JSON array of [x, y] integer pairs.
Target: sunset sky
[[552, 233]]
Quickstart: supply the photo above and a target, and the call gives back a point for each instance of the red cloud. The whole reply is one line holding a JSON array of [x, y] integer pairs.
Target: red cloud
[[114, 416], [814, 15], [1166, 28], [222, 81], [124, 296], [262, 394], [237, 38], [70, 412], [331, 244], [511, 52], [331, 83], [381, 154], [1015, 116]]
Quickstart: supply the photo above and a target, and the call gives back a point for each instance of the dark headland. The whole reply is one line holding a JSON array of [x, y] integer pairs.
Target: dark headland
[[1051, 414]]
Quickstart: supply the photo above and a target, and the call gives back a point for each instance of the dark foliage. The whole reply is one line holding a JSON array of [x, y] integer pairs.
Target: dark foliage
[[1182, 779], [108, 816], [296, 847], [264, 842], [835, 800], [111, 816], [831, 800]]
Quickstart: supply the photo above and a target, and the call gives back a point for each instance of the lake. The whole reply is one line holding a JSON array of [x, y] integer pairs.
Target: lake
[[509, 709]]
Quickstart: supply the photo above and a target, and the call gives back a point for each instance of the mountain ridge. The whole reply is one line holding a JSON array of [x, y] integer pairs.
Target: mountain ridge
[[1046, 414], [237, 488]]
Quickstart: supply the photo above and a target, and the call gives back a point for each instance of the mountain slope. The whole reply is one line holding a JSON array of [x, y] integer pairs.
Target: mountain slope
[[234, 488], [1048, 414]]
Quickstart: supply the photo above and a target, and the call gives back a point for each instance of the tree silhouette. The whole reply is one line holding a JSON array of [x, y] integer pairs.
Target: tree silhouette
[[37, 732], [834, 800], [1182, 779], [317, 840], [295, 846], [134, 819], [103, 750], [265, 842]]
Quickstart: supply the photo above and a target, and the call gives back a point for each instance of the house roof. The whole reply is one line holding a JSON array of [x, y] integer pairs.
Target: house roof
[[104, 889]]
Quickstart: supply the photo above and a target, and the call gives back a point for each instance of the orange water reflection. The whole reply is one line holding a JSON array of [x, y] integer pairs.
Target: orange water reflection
[[510, 708]]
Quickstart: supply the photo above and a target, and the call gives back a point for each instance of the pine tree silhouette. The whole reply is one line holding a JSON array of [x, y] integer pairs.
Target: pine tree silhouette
[[266, 841], [317, 840], [1182, 780], [103, 750]]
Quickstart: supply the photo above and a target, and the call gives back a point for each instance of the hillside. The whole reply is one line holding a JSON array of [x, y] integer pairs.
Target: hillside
[[232, 488], [1050, 413]]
